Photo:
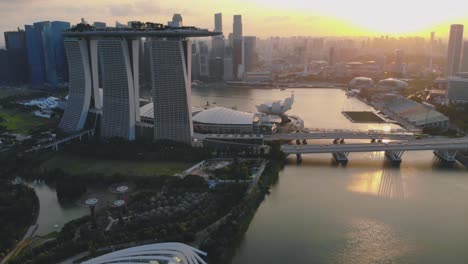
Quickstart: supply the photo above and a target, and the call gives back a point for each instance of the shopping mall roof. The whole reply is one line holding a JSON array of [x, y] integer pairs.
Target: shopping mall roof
[[224, 116]]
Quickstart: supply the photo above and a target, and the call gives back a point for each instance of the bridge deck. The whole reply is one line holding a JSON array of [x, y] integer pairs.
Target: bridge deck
[[434, 144], [316, 134]]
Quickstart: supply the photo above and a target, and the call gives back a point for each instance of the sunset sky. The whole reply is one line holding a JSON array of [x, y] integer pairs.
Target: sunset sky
[[262, 18]]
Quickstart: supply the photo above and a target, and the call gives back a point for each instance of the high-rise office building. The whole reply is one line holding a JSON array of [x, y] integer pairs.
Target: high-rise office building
[[431, 50], [171, 70], [15, 42], [464, 67], [457, 88], [228, 74], [195, 62], [218, 20], [217, 47], [4, 72], [237, 52], [204, 59], [454, 50], [250, 54], [332, 56], [237, 27], [46, 55], [217, 50], [36, 61], [57, 51]]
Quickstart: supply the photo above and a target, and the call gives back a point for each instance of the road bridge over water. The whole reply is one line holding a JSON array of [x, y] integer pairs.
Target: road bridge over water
[[342, 134], [445, 149], [316, 134]]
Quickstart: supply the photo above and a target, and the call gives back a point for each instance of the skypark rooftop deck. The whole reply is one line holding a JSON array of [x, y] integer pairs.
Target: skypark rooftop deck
[[139, 30]]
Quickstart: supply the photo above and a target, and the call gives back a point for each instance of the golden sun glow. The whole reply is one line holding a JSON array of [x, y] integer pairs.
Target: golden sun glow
[[261, 18], [397, 17]]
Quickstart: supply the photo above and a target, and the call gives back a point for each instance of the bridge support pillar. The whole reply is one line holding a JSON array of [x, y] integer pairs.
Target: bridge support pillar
[[394, 155], [56, 147], [446, 155], [341, 157]]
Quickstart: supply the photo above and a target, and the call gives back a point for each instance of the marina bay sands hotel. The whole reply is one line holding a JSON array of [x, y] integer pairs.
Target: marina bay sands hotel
[[111, 58]]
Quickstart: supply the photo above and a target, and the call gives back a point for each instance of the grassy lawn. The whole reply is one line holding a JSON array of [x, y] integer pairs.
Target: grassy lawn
[[20, 122], [80, 165]]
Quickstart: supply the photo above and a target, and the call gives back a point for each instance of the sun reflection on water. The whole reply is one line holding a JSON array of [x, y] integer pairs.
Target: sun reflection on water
[[384, 183]]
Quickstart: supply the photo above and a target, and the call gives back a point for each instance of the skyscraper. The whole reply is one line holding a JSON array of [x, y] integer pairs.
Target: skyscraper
[[118, 53], [431, 50], [4, 72], [118, 115], [80, 86], [454, 50], [120, 109], [465, 57], [57, 52], [46, 55], [17, 56], [332, 56], [35, 56], [218, 20], [250, 54], [195, 62], [171, 71], [217, 50], [44, 29], [237, 58], [228, 70], [204, 59]]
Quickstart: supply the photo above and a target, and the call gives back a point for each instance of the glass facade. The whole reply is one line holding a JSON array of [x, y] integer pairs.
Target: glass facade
[[46, 53], [58, 52], [170, 67], [17, 57], [35, 56]]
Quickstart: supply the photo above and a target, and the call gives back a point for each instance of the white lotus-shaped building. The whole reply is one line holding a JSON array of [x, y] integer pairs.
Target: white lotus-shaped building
[[276, 107], [172, 253]]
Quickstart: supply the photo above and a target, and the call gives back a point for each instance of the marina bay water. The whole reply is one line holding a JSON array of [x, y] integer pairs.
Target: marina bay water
[[321, 212], [366, 212]]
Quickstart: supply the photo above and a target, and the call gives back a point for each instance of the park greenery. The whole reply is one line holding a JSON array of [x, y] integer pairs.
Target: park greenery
[[78, 164], [18, 118], [117, 149], [18, 208], [161, 207]]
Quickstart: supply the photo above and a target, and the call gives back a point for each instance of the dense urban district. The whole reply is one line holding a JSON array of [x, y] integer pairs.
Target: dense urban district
[[103, 115]]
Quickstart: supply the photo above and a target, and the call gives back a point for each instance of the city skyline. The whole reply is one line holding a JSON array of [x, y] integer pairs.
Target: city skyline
[[262, 18]]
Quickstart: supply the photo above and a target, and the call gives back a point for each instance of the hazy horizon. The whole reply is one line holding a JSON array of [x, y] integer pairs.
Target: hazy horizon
[[261, 18]]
